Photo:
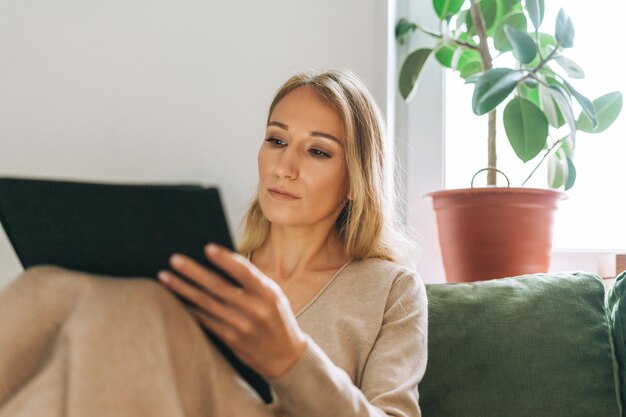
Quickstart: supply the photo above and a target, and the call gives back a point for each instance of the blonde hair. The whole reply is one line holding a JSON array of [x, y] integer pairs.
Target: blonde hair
[[368, 223]]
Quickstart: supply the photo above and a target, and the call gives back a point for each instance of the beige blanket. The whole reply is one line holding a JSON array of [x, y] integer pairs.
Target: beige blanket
[[74, 344]]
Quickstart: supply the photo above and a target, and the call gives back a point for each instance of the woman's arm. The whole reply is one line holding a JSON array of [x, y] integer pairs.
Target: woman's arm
[[315, 386], [255, 320]]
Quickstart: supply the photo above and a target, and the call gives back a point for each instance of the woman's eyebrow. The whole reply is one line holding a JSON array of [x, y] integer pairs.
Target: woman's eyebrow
[[312, 133]]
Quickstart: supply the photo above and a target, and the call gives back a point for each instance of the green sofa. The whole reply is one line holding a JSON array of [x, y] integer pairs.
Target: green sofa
[[536, 345]]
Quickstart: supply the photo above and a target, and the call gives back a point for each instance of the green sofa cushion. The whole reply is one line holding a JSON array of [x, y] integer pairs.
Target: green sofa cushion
[[616, 306], [535, 345]]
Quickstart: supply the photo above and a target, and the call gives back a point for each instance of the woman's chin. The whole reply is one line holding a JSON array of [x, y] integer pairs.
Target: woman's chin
[[280, 214], [284, 220]]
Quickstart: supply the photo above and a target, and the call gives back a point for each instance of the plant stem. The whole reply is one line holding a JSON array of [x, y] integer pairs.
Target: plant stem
[[483, 49], [534, 71], [538, 48], [465, 44], [438, 36], [545, 60], [558, 142], [491, 146], [428, 32], [544, 157]]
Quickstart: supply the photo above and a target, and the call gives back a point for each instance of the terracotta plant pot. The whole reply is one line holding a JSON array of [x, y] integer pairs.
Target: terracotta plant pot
[[494, 232]]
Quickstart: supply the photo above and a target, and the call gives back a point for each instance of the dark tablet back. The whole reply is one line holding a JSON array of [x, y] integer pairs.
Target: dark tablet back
[[121, 230]]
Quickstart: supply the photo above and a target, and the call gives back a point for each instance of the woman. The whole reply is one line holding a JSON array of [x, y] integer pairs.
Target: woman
[[325, 312]]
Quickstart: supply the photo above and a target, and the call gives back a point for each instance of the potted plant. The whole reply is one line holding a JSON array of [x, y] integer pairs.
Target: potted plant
[[495, 231]]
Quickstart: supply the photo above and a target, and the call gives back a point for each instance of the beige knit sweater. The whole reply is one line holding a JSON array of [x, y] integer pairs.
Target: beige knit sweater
[[74, 344], [367, 348]]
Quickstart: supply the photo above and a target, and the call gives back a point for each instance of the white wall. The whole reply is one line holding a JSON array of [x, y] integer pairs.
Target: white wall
[[164, 90], [420, 142]]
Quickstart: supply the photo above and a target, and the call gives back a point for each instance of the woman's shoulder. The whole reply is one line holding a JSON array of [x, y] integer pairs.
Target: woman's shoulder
[[383, 273], [383, 267], [386, 284]]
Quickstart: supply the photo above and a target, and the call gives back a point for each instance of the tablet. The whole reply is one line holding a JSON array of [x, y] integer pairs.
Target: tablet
[[121, 230], [124, 230]]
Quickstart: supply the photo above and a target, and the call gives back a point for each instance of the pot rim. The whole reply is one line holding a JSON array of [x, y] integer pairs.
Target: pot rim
[[496, 190]]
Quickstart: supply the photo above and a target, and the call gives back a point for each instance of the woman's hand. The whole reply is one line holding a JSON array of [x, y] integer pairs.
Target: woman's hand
[[255, 321]]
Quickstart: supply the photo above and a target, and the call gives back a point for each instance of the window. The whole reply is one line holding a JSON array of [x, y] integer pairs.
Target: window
[[593, 216]]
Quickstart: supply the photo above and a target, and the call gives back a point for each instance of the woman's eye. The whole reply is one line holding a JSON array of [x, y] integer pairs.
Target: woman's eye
[[319, 154], [275, 141], [279, 143]]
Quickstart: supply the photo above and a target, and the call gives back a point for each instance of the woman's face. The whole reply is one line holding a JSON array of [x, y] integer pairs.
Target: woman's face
[[303, 177]]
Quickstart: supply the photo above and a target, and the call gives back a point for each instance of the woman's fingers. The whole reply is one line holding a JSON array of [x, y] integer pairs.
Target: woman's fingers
[[206, 303], [233, 264], [237, 341], [241, 270], [224, 332], [254, 320], [206, 279]]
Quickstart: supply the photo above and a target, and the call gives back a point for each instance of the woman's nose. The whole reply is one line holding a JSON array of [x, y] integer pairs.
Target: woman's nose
[[287, 164]]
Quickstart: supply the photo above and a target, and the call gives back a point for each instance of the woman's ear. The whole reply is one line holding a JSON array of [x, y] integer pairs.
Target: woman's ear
[[348, 193]]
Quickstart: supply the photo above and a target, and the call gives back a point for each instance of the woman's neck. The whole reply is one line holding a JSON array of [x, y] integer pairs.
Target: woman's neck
[[289, 253]]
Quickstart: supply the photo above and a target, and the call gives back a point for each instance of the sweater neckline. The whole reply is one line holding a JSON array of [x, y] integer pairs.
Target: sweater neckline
[[321, 290]]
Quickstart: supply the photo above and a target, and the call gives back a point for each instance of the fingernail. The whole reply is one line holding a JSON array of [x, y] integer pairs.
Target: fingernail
[[163, 276], [212, 249], [177, 260]]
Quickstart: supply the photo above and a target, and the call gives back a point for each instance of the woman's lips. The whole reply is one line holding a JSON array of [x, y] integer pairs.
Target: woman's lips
[[280, 196]]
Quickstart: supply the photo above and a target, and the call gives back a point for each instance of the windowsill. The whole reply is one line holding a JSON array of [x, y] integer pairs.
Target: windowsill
[[606, 264]]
